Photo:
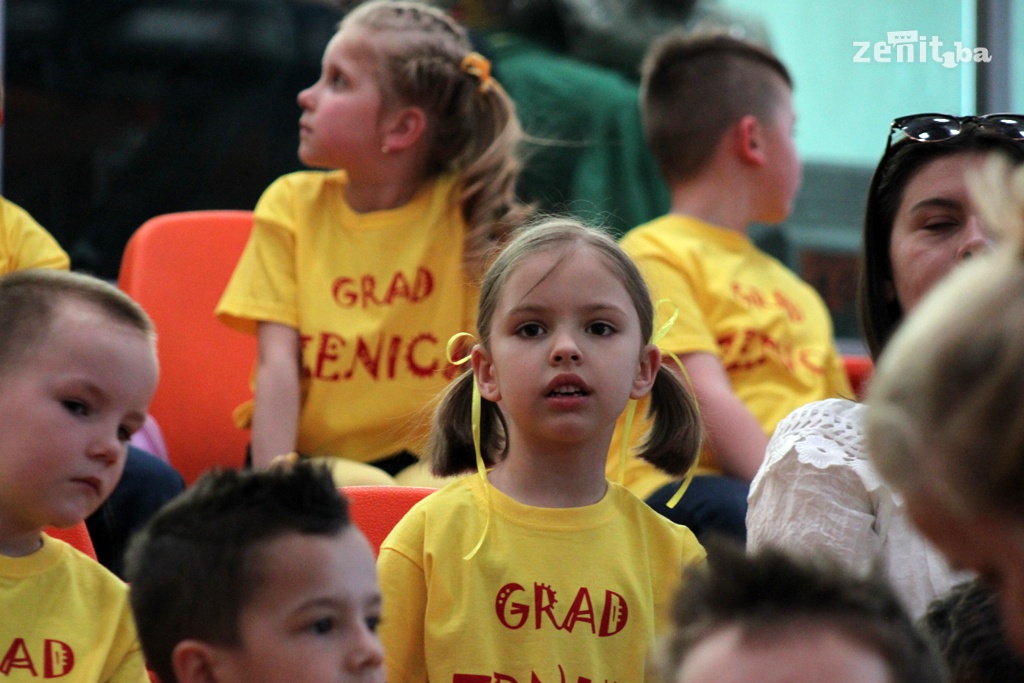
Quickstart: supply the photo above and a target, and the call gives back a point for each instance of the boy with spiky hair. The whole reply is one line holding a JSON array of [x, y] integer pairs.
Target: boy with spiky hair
[[257, 576]]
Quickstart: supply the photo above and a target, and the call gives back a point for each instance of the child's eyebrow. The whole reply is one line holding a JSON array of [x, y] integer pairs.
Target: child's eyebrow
[[599, 307], [373, 600], [88, 387]]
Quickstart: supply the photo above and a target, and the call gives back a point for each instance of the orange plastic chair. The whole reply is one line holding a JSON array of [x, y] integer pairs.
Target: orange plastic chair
[[177, 266], [858, 369], [377, 509], [76, 536]]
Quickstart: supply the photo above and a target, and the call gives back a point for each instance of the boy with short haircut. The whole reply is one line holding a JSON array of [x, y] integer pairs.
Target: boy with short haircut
[[775, 618], [146, 481], [77, 371], [257, 576], [754, 339]]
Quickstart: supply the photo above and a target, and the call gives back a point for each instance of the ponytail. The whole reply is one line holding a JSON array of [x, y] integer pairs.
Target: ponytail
[[489, 168], [450, 450], [673, 443]]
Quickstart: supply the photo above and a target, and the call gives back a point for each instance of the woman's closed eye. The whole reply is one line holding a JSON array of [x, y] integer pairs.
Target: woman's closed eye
[[939, 215], [941, 224]]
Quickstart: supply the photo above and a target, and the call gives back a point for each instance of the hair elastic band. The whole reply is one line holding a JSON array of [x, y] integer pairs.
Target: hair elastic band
[[475, 64], [481, 468], [656, 337]]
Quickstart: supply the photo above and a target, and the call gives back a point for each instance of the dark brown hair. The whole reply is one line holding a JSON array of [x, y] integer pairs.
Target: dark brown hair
[[196, 563], [773, 595], [877, 308], [694, 87], [968, 630]]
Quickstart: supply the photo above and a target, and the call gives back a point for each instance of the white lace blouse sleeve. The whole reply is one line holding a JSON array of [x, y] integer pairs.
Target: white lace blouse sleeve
[[813, 492]]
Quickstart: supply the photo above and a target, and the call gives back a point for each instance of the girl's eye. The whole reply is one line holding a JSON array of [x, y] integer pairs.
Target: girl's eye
[[124, 434], [601, 329], [372, 623], [530, 330], [322, 626]]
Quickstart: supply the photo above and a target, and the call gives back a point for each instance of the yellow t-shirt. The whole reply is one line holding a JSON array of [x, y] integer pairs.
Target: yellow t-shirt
[[25, 244], [375, 297], [566, 594], [65, 617], [770, 329]]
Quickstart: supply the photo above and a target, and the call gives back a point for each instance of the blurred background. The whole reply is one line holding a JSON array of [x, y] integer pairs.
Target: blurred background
[[119, 110]]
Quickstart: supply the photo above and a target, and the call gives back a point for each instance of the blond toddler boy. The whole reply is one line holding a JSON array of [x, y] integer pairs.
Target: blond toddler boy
[[77, 371]]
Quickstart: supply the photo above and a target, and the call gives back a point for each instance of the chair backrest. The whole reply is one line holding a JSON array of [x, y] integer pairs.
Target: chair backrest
[[76, 536], [858, 369], [177, 266], [377, 509]]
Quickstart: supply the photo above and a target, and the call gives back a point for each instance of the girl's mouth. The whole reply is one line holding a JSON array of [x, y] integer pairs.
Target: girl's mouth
[[568, 390], [567, 385]]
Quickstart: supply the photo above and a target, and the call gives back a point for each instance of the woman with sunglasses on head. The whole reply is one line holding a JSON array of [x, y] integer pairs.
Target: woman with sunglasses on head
[[816, 490]]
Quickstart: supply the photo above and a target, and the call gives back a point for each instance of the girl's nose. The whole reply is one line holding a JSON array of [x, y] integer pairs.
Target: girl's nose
[[305, 98], [565, 349], [976, 239]]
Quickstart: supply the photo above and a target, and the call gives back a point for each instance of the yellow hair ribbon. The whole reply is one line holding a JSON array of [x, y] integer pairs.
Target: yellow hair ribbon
[[656, 337], [475, 64], [693, 468], [664, 329], [624, 446], [481, 468]]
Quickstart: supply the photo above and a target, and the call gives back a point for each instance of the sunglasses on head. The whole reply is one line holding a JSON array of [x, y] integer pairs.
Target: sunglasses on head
[[938, 127]]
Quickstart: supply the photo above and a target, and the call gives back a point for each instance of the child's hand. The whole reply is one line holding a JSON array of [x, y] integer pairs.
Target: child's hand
[[286, 460]]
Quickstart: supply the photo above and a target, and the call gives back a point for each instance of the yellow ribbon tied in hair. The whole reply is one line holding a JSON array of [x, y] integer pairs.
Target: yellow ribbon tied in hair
[[475, 64], [481, 468], [658, 335]]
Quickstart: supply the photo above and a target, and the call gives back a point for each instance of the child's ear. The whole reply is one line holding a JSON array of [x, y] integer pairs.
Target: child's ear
[[750, 140], [484, 372], [403, 128], [194, 661], [650, 362]]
